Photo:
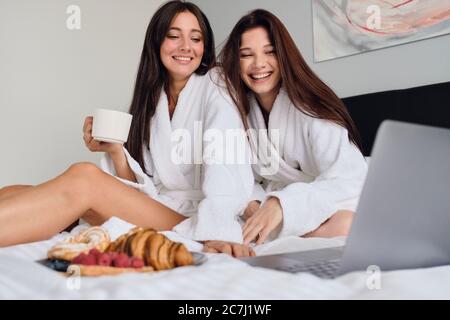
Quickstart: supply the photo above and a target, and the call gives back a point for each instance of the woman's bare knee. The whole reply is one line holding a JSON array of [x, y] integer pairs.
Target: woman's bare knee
[[338, 225], [341, 222], [80, 180], [83, 169]]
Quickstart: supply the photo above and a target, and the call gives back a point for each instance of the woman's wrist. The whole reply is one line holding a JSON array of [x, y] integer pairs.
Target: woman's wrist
[[117, 153], [121, 165], [119, 160], [275, 203]]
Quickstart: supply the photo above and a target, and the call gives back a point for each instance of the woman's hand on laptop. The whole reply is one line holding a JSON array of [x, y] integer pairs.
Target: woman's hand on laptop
[[233, 249], [263, 221]]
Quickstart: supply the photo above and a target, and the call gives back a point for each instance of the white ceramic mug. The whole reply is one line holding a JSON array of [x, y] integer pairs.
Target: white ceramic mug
[[111, 126]]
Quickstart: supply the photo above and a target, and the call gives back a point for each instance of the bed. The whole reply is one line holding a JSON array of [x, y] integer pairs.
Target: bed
[[222, 277]]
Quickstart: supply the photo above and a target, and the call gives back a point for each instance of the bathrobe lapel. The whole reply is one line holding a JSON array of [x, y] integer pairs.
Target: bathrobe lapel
[[161, 144], [279, 120]]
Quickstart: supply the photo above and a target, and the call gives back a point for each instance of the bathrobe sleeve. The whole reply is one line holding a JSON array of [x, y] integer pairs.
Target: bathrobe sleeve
[[342, 170], [227, 185], [144, 182], [258, 193]]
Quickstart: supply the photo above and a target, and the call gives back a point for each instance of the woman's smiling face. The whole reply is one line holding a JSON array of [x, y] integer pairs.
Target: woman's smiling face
[[258, 62], [182, 49]]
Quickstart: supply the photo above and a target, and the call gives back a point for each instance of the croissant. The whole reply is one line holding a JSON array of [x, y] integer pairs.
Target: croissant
[[154, 248]]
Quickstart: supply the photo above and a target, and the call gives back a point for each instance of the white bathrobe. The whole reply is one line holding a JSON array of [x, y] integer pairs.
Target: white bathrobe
[[212, 196], [320, 170]]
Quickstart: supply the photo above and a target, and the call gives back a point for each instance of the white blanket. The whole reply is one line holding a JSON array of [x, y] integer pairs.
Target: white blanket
[[221, 277]]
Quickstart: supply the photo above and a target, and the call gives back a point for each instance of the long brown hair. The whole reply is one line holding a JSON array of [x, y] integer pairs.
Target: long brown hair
[[152, 76], [308, 93]]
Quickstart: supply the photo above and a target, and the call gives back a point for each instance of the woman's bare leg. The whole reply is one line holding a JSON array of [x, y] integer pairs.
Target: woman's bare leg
[[40, 212], [12, 190], [338, 225], [15, 189], [90, 215]]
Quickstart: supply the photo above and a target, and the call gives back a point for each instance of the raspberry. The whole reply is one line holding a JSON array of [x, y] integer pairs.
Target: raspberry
[[89, 260], [79, 259], [112, 255], [95, 252], [104, 260], [137, 262], [121, 261]]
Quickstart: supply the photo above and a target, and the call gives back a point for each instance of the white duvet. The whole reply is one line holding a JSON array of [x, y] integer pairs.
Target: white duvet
[[221, 277]]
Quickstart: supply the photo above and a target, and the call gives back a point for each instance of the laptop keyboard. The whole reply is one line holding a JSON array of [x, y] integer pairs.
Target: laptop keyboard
[[322, 269]]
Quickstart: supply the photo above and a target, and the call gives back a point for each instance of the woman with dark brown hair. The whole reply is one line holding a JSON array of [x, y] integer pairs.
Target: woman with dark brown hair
[[143, 182], [309, 164]]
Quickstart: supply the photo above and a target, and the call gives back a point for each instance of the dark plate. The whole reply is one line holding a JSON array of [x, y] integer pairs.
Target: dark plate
[[54, 264], [62, 265]]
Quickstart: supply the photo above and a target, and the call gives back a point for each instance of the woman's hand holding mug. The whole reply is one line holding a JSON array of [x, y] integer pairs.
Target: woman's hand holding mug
[[107, 131], [95, 145]]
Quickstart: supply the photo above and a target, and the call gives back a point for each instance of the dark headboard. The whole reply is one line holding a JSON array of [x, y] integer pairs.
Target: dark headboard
[[428, 105]]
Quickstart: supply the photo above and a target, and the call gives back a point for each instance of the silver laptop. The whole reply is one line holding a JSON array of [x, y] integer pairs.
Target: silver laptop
[[403, 216]]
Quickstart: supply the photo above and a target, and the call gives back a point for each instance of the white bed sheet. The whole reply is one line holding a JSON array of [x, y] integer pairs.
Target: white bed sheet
[[221, 277]]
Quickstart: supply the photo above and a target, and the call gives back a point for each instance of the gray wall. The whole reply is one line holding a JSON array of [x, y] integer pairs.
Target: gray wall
[[51, 78], [413, 64]]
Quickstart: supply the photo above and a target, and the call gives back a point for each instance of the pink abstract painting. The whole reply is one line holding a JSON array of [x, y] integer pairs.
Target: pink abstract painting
[[346, 27]]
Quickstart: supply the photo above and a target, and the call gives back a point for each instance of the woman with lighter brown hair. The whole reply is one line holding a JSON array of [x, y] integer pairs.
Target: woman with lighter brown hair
[[320, 169]]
